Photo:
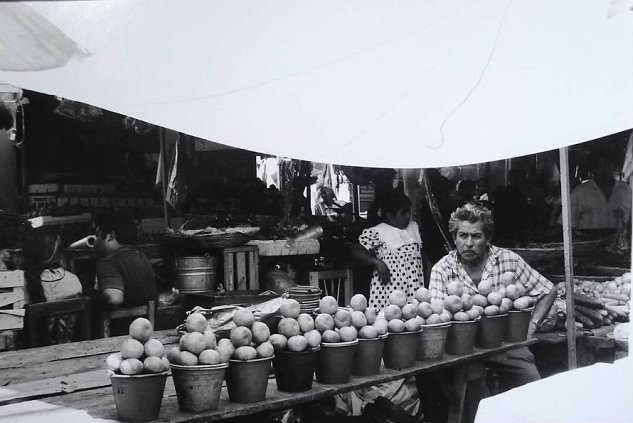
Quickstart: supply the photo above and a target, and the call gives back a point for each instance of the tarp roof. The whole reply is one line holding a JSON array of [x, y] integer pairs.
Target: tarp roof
[[422, 83]]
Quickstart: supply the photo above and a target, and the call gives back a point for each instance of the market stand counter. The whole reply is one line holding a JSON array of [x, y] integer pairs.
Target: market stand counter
[[70, 381], [592, 346]]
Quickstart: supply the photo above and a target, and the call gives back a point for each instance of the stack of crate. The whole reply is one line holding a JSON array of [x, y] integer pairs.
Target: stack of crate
[[11, 307]]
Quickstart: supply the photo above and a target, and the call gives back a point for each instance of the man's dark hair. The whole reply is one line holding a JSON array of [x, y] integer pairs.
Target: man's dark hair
[[122, 224]]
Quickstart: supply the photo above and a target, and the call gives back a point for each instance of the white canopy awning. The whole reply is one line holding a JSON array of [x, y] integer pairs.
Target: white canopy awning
[[360, 82]]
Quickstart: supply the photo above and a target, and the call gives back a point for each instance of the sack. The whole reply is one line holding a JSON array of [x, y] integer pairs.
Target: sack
[[401, 392], [220, 318]]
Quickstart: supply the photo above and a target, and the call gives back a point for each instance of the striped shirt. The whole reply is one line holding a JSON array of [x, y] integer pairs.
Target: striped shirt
[[500, 261]]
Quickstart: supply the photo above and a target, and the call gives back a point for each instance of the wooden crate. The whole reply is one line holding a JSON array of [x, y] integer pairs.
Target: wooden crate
[[8, 339], [241, 268], [11, 300]]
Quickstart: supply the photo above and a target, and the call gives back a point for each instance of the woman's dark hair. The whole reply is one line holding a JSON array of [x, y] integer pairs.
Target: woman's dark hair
[[394, 201], [122, 224], [42, 250]]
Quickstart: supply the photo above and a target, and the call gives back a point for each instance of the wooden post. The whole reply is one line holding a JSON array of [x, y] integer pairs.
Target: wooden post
[[569, 258], [163, 170]]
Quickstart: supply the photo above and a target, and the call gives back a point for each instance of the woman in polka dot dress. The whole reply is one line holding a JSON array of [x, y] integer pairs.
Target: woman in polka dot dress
[[394, 248]]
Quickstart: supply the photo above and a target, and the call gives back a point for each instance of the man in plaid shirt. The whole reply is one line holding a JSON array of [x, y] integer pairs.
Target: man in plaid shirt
[[475, 260]]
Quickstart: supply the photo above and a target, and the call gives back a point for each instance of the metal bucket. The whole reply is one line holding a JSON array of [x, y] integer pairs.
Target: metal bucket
[[334, 361], [138, 397], [368, 356], [294, 371], [401, 349], [461, 337], [518, 324], [433, 341], [196, 273], [198, 387], [490, 331], [247, 381]]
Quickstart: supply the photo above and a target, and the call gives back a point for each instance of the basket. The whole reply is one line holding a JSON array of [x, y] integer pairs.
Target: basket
[[233, 239], [535, 253]]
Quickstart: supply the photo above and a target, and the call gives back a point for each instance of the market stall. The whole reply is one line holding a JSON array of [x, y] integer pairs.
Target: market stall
[[69, 382], [355, 91]]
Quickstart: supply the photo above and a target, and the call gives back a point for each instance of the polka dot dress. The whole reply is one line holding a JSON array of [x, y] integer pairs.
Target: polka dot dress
[[401, 251]]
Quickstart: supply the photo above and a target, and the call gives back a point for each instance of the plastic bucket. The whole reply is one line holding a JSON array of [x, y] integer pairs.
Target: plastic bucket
[[401, 349], [368, 356], [196, 273], [517, 326], [247, 380], [198, 388], [461, 337], [491, 330], [334, 361], [138, 397], [432, 342], [294, 371]]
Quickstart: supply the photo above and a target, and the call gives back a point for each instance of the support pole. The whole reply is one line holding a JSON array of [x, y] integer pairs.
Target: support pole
[[163, 170], [569, 258]]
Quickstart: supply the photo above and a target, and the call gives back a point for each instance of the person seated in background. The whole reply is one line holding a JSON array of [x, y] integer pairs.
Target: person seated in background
[[125, 276], [326, 204], [47, 280]]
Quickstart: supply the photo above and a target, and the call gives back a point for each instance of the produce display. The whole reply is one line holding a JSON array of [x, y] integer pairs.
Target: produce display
[[296, 330], [597, 303], [335, 324], [401, 316], [199, 346], [140, 353], [460, 306]]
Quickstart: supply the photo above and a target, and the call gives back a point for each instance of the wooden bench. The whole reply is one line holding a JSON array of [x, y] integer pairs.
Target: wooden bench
[[38, 311]]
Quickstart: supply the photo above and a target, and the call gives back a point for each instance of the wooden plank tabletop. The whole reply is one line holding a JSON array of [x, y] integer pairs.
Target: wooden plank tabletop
[[86, 395], [557, 337], [37, 364]]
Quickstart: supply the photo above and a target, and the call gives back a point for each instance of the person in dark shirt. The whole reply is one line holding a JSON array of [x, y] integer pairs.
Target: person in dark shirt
[[125, 275]]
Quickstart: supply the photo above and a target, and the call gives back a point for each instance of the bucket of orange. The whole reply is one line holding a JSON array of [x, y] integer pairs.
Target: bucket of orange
[[138, 374], [371, 337], [435, 322], [251, 362], [493, 321], [403, 325], [198, 366], [339, 340], [296, 345], [520, 314]]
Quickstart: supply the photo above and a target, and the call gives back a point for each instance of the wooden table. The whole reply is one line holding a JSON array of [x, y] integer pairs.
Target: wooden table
[[69, 382], [592, 346]]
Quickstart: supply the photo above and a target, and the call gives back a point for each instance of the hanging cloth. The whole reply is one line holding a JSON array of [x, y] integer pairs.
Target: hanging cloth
[[435, 210]]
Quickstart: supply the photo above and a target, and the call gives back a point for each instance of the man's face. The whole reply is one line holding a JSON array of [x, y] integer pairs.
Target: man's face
[[471, 242]]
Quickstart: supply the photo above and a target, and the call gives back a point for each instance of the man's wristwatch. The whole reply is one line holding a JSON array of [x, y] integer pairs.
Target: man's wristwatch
[[535, 321]]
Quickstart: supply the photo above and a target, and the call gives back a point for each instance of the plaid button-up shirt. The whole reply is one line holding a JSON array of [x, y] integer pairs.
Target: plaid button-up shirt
[[500, 261]]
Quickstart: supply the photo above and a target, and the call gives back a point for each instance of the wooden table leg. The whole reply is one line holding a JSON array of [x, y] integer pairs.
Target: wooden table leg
[[457, 389]]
